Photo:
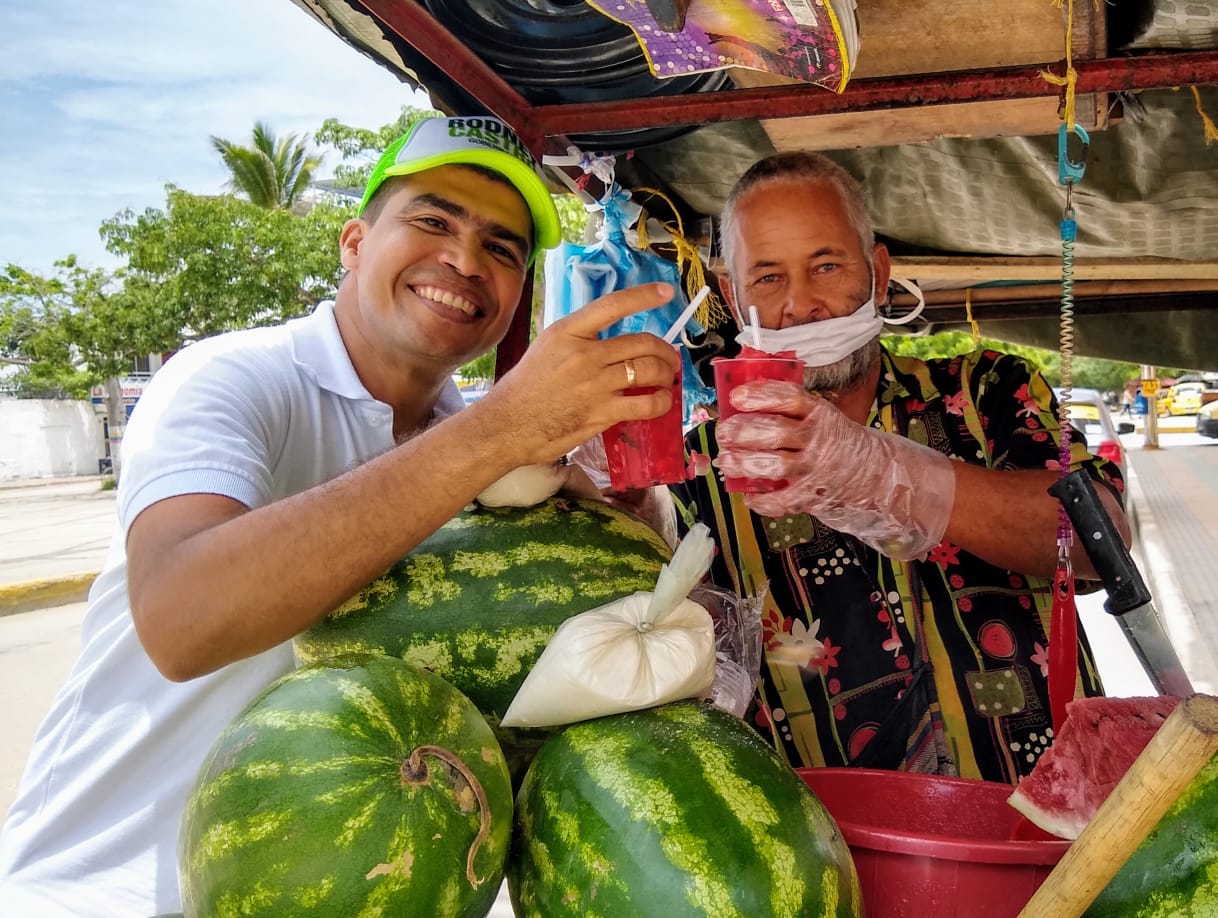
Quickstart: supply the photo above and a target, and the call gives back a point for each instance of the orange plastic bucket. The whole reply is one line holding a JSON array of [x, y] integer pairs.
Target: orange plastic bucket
[[931, 847]]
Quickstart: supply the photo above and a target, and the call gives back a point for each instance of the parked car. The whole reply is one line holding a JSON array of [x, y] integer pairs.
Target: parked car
[[1186, 398], [1089, 415], [1207, 420], [472, 389]]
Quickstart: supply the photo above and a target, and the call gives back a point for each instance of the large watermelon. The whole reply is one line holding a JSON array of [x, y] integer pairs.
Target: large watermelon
[[362, 786], [680, 810], [1174, 872], [478, 600]]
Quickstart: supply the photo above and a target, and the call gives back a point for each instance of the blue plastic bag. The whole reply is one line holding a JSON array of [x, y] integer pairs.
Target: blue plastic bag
[[577, 274]]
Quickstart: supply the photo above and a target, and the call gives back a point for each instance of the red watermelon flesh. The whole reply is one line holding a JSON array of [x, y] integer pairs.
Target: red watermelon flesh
[[1099, 741]]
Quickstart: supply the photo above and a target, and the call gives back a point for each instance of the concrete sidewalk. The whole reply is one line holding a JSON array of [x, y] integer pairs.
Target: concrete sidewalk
[[1176, 498], [54, 536]]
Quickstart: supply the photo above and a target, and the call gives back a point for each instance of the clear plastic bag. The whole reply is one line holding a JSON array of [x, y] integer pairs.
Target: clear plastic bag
[[577, 274], [737, 623]]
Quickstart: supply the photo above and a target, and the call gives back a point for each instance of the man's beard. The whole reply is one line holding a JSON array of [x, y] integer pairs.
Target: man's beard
[[844, 374]]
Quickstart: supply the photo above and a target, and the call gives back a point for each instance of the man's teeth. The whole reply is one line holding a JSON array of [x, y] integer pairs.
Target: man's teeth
[[448, 298]]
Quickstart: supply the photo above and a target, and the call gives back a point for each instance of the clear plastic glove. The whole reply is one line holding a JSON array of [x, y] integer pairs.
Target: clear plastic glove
[[892, 493], [653, 506], [590, 457]]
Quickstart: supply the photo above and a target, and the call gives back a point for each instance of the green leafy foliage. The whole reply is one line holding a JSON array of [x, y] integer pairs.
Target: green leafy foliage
[[1087, 372], [213, 264], [69, 330], [199, 266]]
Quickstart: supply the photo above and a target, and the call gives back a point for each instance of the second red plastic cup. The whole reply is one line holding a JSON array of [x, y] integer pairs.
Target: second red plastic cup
[[731, 372]]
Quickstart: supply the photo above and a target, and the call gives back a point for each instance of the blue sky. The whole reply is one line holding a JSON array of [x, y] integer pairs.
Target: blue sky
[[104, 103]]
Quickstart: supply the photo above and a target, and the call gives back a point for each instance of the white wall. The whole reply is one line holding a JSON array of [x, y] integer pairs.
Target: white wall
[[48, 438]]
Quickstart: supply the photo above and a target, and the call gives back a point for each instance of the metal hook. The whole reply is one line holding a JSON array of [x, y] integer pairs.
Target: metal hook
[[1070, 170]]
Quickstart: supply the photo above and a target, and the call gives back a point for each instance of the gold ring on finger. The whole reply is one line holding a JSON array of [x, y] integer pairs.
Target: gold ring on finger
[[630, 377]]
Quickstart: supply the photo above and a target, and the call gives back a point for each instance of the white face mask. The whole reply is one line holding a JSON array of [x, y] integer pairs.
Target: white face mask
[[823, 343]]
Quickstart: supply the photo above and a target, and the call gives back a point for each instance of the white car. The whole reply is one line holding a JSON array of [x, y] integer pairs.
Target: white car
[[1090, 416]]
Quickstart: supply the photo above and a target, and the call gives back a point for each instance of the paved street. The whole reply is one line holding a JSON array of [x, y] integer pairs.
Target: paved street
[[1180, 482], [54, 528]]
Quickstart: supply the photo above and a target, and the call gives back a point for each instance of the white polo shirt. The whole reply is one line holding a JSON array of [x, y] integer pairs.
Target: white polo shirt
[[254, 415]]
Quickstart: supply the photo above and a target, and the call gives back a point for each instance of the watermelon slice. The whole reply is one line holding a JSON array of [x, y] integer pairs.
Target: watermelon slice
[[1099, 741]]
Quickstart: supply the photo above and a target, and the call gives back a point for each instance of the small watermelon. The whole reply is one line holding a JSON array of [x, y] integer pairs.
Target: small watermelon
[[358, 786], [676, 810], [477, 602], [1098, 742]]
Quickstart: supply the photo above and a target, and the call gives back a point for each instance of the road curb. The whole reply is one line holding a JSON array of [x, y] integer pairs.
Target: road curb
[[42, 594]]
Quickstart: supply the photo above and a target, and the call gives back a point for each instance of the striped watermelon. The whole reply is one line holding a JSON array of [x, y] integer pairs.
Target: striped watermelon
[[357, 787], [1174, 872], [478, 600], [677, 810]]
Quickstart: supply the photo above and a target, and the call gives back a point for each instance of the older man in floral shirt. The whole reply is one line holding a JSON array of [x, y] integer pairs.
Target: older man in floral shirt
[[907, 561]]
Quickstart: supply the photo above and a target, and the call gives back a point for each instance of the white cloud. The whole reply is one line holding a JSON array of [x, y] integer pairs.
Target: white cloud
[[105, 103]]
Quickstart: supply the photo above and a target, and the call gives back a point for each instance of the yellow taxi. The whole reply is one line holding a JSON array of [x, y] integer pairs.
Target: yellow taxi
[[1186, 398]]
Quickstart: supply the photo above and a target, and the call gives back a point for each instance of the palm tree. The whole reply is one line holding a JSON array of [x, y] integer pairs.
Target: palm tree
[[272, 173]]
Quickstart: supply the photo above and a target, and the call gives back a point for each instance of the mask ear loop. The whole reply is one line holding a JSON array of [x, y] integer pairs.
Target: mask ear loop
[[913, 288]]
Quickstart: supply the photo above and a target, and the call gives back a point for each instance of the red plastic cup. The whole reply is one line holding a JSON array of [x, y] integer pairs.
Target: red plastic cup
[[648, 452], [731, 372]]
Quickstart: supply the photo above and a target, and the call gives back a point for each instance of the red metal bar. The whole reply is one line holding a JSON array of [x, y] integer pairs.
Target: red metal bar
[[1153, 71], [516, 341], [426, 35]]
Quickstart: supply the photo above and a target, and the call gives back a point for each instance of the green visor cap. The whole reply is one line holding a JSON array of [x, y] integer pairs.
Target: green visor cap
[[475, 141]]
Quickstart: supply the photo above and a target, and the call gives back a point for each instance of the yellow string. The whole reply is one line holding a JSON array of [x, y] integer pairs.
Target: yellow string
[[1071, 77], [644, 239], [712, 311], [1207, 123], [968, 314]]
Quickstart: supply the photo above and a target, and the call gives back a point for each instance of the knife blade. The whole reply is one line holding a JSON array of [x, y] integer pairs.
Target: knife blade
[[1129, 599]]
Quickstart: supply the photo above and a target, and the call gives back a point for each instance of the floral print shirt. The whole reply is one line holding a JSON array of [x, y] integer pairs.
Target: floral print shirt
[[937, 665]]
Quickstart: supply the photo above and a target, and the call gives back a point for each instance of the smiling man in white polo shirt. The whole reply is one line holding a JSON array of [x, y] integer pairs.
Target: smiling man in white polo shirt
[[270, 474]]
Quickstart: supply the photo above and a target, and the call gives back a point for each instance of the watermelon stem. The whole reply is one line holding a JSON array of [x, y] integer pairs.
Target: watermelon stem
[[415, 771]]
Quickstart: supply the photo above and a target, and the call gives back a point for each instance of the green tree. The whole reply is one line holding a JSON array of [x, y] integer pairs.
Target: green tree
[[271, 172], [200, 266], [74, 329], [950, 344], [1104, 375], [1086, 372], [214, 264], [68, 331], [360, 147]]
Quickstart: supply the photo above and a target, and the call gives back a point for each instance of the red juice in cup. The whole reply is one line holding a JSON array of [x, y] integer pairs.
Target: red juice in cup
[[751, 365], [648, 452]]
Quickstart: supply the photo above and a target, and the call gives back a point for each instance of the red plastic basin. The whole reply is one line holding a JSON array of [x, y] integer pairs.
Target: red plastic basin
[[931, 847]]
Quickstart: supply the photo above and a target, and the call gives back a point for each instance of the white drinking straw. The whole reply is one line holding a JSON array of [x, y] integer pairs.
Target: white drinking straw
[[755, 327], [671, 335]]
